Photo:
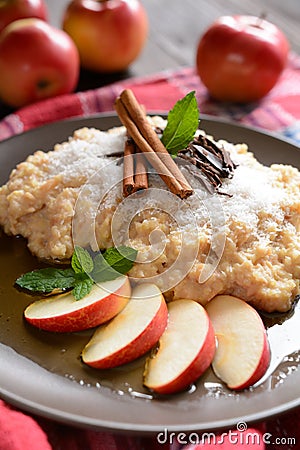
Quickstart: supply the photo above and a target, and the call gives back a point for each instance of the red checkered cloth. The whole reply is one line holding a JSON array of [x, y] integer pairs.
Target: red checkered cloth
[[279, 111]]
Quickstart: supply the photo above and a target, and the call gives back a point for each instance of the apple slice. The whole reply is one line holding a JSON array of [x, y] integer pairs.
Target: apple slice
[[186, 349], [62, 313], [243, 355], [131, 333]]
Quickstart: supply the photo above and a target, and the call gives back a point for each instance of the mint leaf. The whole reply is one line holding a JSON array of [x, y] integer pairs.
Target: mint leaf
[[82, 288], [115, 261], [81, 260], [45, 280], [120, 258], [183, 120], [83, 273], [103, 272]]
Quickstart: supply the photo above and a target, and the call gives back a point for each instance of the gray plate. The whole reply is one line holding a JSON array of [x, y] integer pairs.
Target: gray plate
[[37, 384]]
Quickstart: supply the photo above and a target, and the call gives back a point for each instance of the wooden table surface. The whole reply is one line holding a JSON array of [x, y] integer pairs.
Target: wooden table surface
[[175, 28]]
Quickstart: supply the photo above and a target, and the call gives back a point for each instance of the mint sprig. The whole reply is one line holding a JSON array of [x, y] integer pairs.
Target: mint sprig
[[85, 270], [46, 280], [82, 287], [182, 123], [113, 260], [81, 260]]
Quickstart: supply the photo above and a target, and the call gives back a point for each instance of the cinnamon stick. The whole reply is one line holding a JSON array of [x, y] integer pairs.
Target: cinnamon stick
[[140, 173], [128, 167], [135, 176], [152, 157], [138, 115], [134, 119]]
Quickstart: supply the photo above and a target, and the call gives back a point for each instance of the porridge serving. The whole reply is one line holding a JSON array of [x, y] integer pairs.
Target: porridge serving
[[74, 194]]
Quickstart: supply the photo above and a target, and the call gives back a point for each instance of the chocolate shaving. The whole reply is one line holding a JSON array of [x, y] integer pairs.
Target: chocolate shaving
[[199, 176], [213, 160]]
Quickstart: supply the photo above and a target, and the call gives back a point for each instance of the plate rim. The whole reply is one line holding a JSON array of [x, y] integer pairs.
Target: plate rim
[[139, 429], [205, 117]]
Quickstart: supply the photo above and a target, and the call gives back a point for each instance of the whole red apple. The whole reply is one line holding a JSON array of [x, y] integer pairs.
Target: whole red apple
[[37, 61], [240, 58], [11, 10], [109, 34]]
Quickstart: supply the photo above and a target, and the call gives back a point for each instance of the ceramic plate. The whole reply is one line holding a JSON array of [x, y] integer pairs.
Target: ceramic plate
[[42, 372]]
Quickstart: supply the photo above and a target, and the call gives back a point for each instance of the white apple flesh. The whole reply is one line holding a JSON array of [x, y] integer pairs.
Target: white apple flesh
[[186, 349], [62, 313], [131, 333], [243, 355]]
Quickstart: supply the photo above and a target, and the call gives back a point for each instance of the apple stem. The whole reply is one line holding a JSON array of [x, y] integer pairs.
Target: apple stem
[[262, 16]]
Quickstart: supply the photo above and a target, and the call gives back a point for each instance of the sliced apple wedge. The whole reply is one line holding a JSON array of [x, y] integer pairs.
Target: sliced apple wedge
[[131, 333], [243, 353], [186, 349], [62, 313]]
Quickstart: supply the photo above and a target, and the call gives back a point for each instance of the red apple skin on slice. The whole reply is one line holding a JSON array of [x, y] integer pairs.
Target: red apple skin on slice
[[62, 313], [186, 349], [131, 333], [243, 354]]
